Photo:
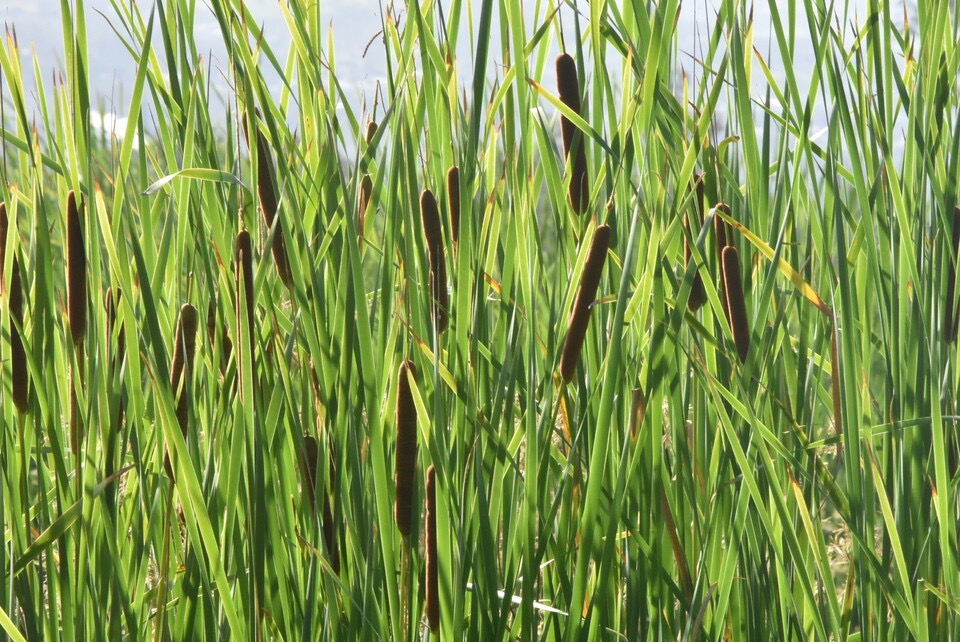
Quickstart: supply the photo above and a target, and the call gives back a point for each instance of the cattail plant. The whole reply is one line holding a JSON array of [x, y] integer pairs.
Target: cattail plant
[[587, 292], [311, 469], [18, 356], [371, 131], [110, 304], [366, 191], [268, 204], [76, 272], [4, 224], [433, 562], [453, 202], [950, 319], [568, 86], [698, 295], [736, 306], [438, 269], [720, 234], [405, 468], [244, 294], [181, 367]]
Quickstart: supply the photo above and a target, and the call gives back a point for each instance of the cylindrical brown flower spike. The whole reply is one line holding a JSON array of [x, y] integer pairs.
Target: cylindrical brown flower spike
[[371, 131], [736, 306], [951, 319], [453, 202], [4, 224], [698, 295], [580, 315], [366, 191], [18, 356], [438, 268], [405, 467], [76, 272], [568, 86], [244, 267], [433, 566], [720, 232], [268, 204], [181, 365]]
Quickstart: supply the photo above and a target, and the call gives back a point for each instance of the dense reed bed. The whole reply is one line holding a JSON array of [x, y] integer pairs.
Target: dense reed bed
[[670, 356]]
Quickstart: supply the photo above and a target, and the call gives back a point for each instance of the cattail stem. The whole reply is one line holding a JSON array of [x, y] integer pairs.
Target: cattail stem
[[580, 315], [433, 565], [951, 318], [405, 467], [181, 367], [269, 204], [698, 294], [438, 269], [453, 202], [568, 86], [736, 306]]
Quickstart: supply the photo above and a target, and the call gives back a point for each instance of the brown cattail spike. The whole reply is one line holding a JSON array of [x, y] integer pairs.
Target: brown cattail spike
[[76, 272], [736, 306], [951, 319], [580, 315], [405, 468], [698, 295], [371, 131], [568, 86], [244, 293], [366, 191], [433, 566], [438, 269], [268, 204], [18, 356], [181, 366], [720, 234], [453, 202], [4, 224]]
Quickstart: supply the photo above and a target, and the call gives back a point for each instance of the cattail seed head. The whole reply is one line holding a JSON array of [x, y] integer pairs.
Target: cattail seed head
[[371, 131], [568, 86], [453, 202], [4, 224], [269, 203], [951, 318], [366, 191], [18, 357], [405, 468], [311, 464], [181, 366], [587, 292], [736, 306], [720, 234], [244, 292], [76, 271], [698, 294], [433, 567], [438, 269]]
